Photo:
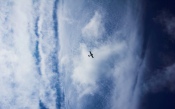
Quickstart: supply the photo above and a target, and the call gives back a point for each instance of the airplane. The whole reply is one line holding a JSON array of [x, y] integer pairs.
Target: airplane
[[91, 55]]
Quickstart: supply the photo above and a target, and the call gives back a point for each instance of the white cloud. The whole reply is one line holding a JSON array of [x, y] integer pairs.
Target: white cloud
[[22, 86], [117, 58], [94, 28], [86, 70], [19, 85]]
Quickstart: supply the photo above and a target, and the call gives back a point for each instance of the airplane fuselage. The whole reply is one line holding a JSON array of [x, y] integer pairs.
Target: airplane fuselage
[[91, 55]]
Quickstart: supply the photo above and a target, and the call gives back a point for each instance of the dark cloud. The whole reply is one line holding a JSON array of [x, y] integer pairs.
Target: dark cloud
[[163, 79], [167, 19]]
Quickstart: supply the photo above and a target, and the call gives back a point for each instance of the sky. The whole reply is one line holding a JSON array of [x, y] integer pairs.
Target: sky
[[44, 48]]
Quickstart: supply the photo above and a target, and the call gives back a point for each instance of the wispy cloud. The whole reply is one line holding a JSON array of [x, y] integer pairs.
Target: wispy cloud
[[167, 19], [94, 28], [18, 83], [23, 85], [110, 77], [86, 71], [163, 78]]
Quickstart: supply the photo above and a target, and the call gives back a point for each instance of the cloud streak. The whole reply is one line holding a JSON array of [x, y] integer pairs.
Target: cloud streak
[[27, 48]]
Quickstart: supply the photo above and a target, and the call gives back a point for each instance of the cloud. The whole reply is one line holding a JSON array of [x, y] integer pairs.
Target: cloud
[[94, 28], [167, 19], [163, 78], [23, 85], [109, 77], [86, 71]]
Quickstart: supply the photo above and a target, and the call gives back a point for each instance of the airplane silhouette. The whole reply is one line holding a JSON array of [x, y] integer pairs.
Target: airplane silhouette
[[91, 55]]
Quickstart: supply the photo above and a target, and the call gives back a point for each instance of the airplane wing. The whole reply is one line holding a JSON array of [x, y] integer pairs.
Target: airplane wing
[[90, 52]]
